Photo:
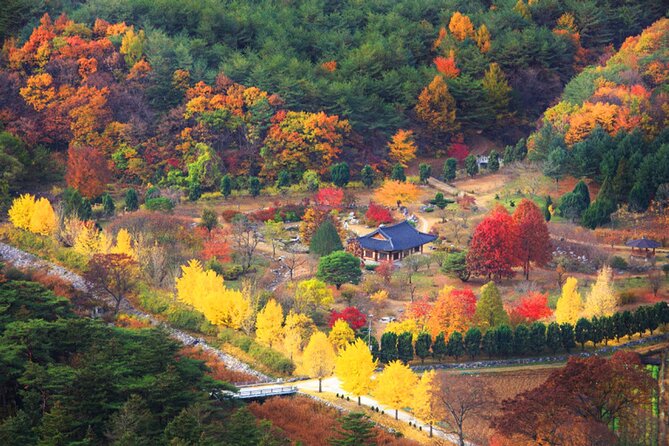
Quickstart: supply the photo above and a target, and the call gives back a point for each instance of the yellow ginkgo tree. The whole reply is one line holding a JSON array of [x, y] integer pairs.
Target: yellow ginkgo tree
[[297, 329], [124, 244], [354, 368], [340, 334], [205, 291], [394, 386], [269, 324], [425, 402], [570, 305], [602, 300], [318, 359], [36, 216]]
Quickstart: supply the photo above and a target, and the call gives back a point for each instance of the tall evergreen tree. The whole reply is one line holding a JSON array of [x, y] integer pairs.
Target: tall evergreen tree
[[473, 342], [405, 347], [423, 342], [367, 175], [450, 168], [455, 346], [389, 351], [439, 346], [340, 174], [325, 240], [397, 173]]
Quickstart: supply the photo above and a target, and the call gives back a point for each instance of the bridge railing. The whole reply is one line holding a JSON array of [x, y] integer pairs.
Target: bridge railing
[[267, 391]]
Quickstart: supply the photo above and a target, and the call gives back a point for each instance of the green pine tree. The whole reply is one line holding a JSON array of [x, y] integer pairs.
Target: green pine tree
[[325, 240]]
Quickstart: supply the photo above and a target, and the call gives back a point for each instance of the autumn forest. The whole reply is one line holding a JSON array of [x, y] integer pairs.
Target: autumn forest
[[317, 222]]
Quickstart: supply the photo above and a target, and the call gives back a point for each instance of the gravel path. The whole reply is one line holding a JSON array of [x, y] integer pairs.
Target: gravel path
[[23, 260]]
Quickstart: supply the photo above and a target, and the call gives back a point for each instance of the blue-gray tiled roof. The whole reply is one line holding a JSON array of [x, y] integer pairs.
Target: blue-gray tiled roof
[[398, 237]]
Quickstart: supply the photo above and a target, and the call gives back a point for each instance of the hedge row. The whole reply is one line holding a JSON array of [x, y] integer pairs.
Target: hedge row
[[524, 340]]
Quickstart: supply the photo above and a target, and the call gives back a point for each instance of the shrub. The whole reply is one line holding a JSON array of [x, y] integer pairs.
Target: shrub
[[153, 302], [618, 262], [272, 359], [228, 214], [232, 272], [159, 204], [182, 318]]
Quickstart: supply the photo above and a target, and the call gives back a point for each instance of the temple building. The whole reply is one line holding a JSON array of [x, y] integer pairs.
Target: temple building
[[393, 242]]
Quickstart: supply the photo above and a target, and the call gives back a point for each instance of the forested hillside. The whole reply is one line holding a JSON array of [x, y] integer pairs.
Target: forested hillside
[[120, 80], [611, 126]]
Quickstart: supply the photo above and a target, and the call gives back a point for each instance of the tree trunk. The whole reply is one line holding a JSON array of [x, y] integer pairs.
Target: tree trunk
[[358, 400], [430, 430], [396, 414], [320, 387], [118, 305]]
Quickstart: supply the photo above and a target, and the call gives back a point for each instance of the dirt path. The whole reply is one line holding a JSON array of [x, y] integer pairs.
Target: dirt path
[[23, 260]]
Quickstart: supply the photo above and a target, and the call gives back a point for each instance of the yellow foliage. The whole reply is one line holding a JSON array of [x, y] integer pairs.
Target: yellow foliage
[[21, 211], [312, 293], [38, 91], [391, 192], [354, 368], [379, 297], [405, 326], [569, 305], [602, 300], [297, 330], [567, 21], [402, 148], [425, 403], [461, 26], [43, 219], [269, 324], [394, 386], [522, 9], [319, 357], [90, 241], [341, 334], [205, 291], [482, 38], [124, 244]]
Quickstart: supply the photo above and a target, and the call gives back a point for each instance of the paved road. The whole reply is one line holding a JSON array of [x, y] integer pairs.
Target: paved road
[[332, 385]]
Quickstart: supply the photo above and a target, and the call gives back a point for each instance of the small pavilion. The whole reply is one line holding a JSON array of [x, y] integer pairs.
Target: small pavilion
[[393, 242], [643, 247]]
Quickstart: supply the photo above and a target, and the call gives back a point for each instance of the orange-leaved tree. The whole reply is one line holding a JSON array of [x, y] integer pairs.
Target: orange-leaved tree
[[402, 148], [436, 107], [453, 311], [393, 193]]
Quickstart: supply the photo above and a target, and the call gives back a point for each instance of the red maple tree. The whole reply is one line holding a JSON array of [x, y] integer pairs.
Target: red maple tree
[[493, 251], [329, 196], [531, 307], [377, 215], [354, 317], [534, 243]]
